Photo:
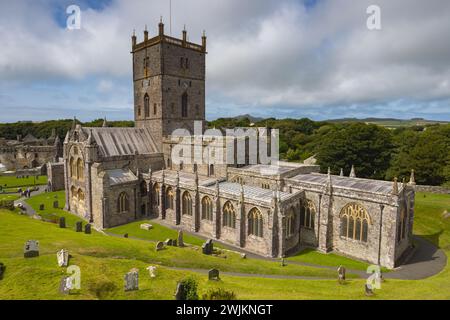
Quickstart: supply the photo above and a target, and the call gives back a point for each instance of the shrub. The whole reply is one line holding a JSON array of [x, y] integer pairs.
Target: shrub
[[7, 204], [219, 294], [102, 289], [190, 288]]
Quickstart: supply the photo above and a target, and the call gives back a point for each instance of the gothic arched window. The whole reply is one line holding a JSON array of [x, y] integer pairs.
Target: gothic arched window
[[146, 106], [229, 215], [169, 198], [207, 209], [156, 194], [307, 214], [187, 204], [354, 222], [80, 169], [211, 170], [255, 223], [290, 223], [73, 168], [123, 204], [80, 195], [184, 105]]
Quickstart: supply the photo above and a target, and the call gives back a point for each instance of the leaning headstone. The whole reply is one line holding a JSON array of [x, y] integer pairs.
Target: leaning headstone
[[152, 271], [62, 222], [55, 204], [207, 247], [180, 238], [79, 226], [180, 293], [87, 229], [213, 274], [159, 246], [31, 249], [341, 274], [63, 258], [65, 285], [368, 290], [243, 256], [168, 242], [2, 270], [146, 226], [41, 206], [132, 280]]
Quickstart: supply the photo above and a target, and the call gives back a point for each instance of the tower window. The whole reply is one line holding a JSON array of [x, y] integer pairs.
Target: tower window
[[146, 105], [154, 109], [184, 105]]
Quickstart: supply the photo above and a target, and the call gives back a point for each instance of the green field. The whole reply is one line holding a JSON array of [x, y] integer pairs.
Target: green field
[[104, 260], [14, 182]]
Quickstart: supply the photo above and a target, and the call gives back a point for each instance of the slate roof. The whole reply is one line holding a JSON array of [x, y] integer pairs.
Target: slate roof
[[123, 141], [119, 176], [366, 185], [251, 192]]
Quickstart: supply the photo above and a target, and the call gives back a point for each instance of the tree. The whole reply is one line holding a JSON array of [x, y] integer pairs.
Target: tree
[[367, 147]]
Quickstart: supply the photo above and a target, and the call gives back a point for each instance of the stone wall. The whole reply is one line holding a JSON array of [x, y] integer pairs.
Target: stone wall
[[432, 189], [55, 175]]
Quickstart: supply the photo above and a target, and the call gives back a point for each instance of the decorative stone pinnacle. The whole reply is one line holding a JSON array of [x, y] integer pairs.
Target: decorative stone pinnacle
[[395, 187]]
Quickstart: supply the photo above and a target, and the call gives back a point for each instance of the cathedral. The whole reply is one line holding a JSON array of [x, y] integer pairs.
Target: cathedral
[[113, 176]]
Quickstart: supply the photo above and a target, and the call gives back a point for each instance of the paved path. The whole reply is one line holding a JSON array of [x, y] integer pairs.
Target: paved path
[[29, 210]]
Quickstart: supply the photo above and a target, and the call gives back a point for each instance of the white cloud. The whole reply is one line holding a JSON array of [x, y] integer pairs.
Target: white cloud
[[262, 53]]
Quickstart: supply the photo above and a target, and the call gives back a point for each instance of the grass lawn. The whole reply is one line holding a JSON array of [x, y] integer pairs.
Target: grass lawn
[[12, 197], [158, 233], [13, 181], [104, 260]]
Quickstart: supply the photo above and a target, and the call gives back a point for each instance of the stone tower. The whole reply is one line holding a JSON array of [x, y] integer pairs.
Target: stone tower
[[169, 83]]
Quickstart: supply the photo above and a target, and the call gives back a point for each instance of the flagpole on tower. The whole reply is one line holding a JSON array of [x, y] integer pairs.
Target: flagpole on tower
[[170, 17]]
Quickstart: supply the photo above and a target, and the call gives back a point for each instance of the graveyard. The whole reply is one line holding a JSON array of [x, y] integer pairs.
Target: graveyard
[[105, 259]]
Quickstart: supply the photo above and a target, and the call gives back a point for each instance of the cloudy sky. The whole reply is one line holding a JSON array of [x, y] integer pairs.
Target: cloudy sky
[[285, 58]]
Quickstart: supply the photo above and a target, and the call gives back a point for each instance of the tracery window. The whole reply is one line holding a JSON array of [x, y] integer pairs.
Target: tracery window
[[290, 223], [123, 204], [307, 214], [229, 215], [354, 222], [207, 209], [169, 198], [255, 223], [187, 204]]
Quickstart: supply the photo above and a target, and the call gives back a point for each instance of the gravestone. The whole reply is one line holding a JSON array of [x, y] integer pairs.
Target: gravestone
[[146, 226], [208, 247], [2, 270], [31, 249], [79, 226], [180, 238], [132, 280], [159, 246], [41, 206], [55, 204], [341, 274], [125, 235], [63, 258], [65, 285], [152, 271], [213, 274], [243, 256], [62, 222], [180, 294], [87, 229], [368, 290], [283, 263], [168, 242]]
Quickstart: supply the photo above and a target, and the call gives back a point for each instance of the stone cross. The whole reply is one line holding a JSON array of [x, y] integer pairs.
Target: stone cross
[[132, 280], [213, 274], [79, 226], [341, 274], [31, 249], [159, 246], [152, 271], [87, 229], [62, 222], [180, 238], [63, 258]]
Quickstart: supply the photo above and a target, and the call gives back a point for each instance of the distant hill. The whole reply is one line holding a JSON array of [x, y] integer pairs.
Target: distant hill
[[391, 122], [249, 117]]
